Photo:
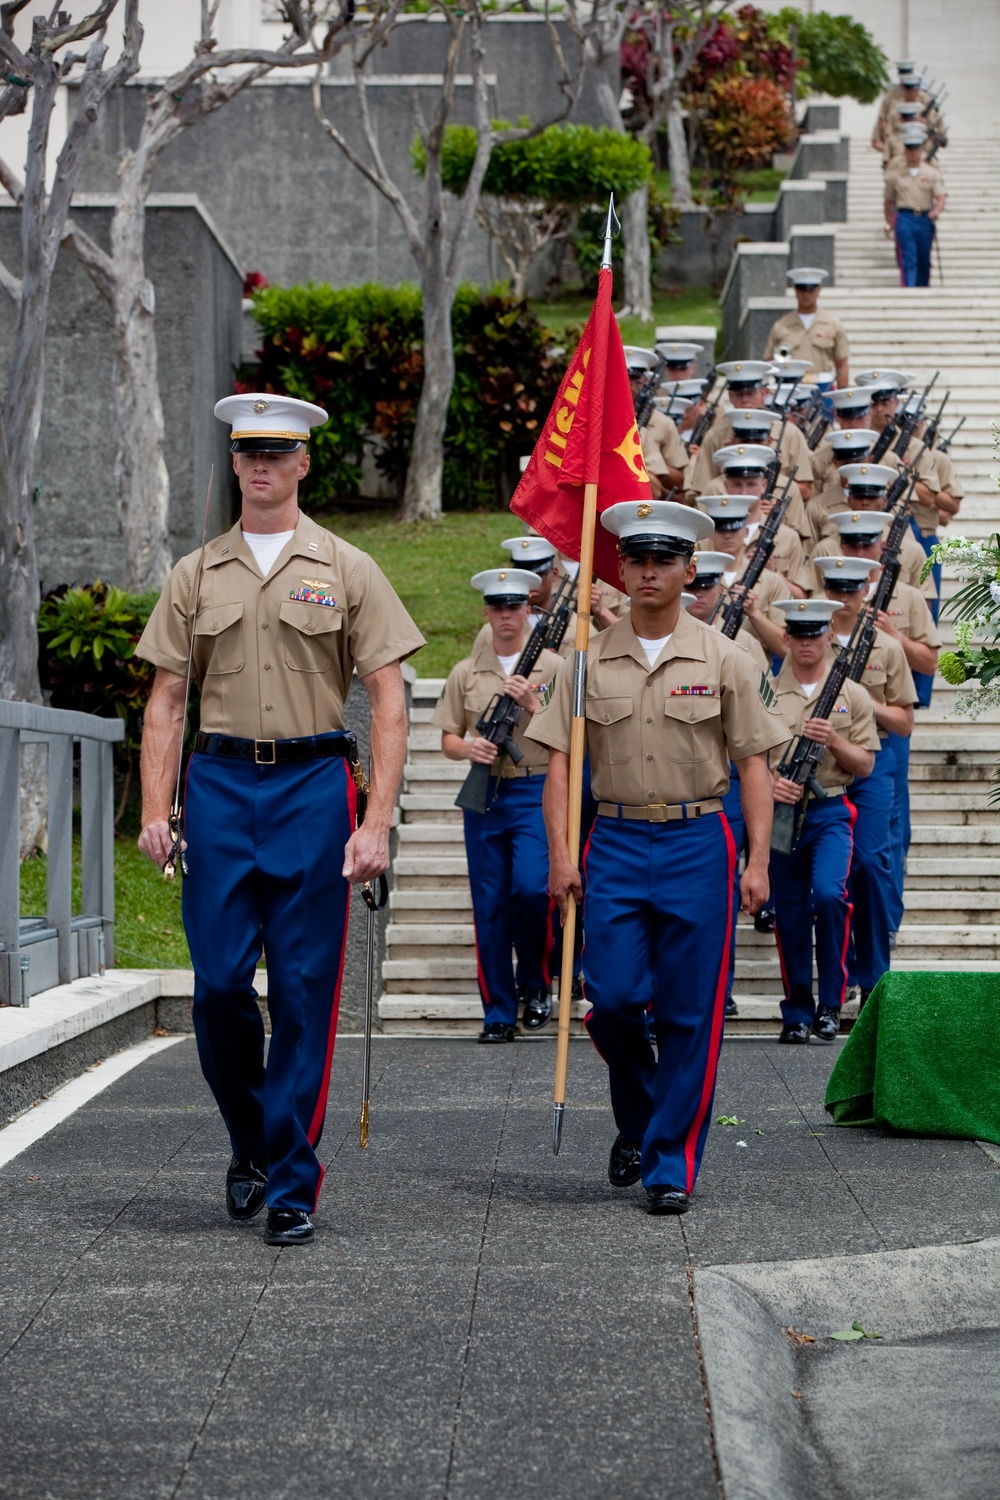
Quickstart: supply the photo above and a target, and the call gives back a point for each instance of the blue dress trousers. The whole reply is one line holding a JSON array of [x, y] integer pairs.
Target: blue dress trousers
[[810, 887]]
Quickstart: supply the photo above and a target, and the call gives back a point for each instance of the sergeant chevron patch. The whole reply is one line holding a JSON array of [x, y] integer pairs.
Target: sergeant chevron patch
[[767, 693]]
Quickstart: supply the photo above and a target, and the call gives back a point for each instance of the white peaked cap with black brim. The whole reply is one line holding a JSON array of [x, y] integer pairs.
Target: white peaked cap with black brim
[[505, 585], [807, 616], [262, 422], [661, 525]]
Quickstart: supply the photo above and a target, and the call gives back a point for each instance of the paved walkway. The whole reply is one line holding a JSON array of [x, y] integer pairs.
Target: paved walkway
[[475, 1318]]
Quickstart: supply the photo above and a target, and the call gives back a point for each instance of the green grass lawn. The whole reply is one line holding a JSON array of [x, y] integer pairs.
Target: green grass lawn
[[761, 184], [696, 304], [148, 929]]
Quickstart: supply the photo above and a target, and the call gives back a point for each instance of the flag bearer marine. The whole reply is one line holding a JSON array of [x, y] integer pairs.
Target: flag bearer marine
[[286, 612], [668, 703], [506, 848], [810, 884]]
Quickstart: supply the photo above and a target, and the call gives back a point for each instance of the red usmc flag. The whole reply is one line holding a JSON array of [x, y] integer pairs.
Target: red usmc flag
[[590, 437]]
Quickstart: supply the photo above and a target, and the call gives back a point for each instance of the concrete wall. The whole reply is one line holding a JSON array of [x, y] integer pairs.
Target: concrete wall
[[282, 193], [198, 305]]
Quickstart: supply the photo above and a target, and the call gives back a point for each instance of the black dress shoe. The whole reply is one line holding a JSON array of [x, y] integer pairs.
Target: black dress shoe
[[288, 1226], [576, 993], [623, 1166], [732, 1009], [537, 1009], [666, 1200], [764, 921], [496, 1031], [862, 999], [795, 1035], [246, 1190], [827, 1023]]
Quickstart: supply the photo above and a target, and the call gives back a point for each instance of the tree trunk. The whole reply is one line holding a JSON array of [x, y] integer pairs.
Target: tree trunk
[[141, 479], [638, 286], [680, 165], [422, 494]]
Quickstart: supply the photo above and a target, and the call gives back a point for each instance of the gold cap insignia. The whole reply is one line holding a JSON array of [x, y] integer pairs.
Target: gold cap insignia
[[864, 468], [840, 562], [261, 406], [724, 501], [501, 576], [856, 515], [802, 604], [644, 510], [525, 544], [738, 367], [741, 450]]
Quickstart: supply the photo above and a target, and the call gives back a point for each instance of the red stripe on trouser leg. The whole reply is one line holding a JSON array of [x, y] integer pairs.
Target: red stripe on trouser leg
[[853, 813], [715, 1040], [319, 1113]]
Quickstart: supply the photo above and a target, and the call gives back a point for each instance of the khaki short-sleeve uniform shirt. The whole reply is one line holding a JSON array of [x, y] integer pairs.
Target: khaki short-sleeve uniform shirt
[[852, 716], [662, 444], [887, 677], [794, 453], [823, 343], [470, 688], [909, 612], [947, 475], [917, 190], [274, 656], [664, 733]]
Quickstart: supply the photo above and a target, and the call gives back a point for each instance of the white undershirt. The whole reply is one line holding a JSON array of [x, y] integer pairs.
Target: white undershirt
[[509, 663], [265, 546], [807, 320], [729, 578], [653, 648], [533, 620], [845, 640], [808, 688], [752, 529], [913, 171]]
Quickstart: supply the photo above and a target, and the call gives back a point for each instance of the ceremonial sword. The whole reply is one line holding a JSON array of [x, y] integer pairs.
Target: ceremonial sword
[[176, 855]]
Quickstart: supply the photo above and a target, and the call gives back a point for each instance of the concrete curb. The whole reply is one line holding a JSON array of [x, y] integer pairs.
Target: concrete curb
[[773, 1445]]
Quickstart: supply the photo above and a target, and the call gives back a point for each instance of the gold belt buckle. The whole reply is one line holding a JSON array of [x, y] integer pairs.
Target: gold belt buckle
[[657, 812], [264, 752]]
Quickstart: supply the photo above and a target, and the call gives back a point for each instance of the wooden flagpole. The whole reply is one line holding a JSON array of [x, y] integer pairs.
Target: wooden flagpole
[[577, 744]]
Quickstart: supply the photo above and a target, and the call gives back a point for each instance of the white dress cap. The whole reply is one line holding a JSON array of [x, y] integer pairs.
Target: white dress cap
[[505, 583], [808, 611], [852, 398], [678, 354], [689, 388], [636, 518], [874, 476], [743, 456], [527, 550], [261, 414], [860, 522], [752, 418], [731, 510], [744, 371], [707, 564], [671, 406], [914, 135], [852, 440], [845, 569], [688, 599], [899, 378], [638, 358], [790, 369], [807, 275]]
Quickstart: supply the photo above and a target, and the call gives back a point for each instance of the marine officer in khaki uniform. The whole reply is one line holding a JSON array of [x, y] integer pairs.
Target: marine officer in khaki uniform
[[811, 883], [286, 612], [914, 201], [669, 703], [808, 333]]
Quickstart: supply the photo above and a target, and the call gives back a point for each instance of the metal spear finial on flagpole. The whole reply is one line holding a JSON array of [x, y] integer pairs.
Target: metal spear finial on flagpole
[[612, 227]]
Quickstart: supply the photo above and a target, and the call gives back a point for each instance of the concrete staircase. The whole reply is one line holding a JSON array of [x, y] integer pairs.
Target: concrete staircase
[[952, 918]]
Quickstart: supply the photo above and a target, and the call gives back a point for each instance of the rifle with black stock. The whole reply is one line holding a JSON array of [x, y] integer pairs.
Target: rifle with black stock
[[697, 434], [934, 425], [861, 643], [773, 471], [912, 414], [646, 397], [802, 761], [763, 547], [946, 443], [502, 715]]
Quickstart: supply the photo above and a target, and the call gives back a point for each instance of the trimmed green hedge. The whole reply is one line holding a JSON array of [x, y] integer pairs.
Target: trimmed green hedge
[[357, 351]]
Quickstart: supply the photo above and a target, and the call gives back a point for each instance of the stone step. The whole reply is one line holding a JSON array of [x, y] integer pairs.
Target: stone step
[[430, 833], [955, 837], [965, 907], [413, 905], [435, 809]]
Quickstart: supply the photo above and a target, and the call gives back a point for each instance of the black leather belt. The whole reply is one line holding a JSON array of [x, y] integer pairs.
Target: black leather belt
[[274, 752], [917, 213]]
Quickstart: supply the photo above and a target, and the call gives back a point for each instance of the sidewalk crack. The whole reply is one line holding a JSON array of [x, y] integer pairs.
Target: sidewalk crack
[[702, 1372], [453, 1445]]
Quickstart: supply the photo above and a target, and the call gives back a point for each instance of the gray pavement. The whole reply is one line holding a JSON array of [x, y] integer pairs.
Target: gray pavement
[[476, 1319]]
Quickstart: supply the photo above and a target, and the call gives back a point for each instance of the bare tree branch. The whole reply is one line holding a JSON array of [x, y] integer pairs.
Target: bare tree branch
[[89, 26], [96, 261]]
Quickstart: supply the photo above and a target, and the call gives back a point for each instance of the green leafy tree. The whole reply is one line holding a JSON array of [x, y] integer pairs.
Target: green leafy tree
[[841, 56], [535, 187]]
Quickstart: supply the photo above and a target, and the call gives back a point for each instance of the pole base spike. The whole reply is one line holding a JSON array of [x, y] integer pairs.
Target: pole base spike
[[364, 1125], [558, 1111]]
